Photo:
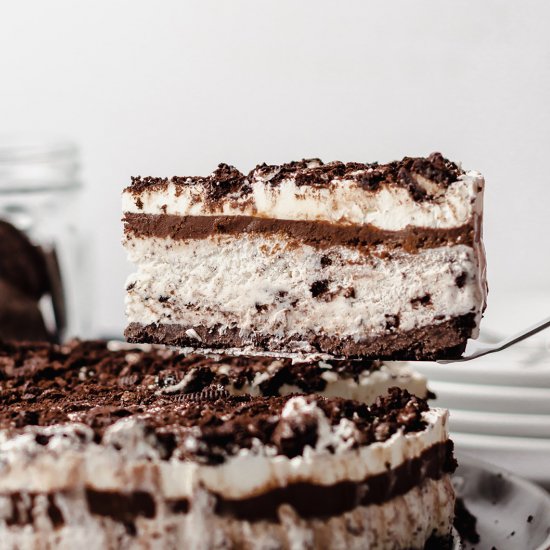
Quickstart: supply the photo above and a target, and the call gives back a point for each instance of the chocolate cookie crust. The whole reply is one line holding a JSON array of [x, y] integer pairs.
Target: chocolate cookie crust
[[444, 340]]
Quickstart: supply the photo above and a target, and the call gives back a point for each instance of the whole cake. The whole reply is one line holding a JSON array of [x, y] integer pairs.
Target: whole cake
[[89, 459], [380, 261]]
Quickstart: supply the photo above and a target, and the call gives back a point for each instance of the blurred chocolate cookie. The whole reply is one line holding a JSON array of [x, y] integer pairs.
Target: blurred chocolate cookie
[[24, 280], [20, 316], [22, 263]]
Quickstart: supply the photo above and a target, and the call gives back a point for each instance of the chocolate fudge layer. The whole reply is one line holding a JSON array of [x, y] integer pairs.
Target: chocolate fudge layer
[[120, 465], [344, 260]]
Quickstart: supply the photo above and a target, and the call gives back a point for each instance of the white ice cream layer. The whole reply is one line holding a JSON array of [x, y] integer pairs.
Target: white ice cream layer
[[341, 201], [262, 284]]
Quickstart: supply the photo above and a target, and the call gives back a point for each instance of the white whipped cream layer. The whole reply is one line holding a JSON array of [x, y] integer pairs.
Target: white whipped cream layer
[[71, 460], [341, 201], [264, 284]]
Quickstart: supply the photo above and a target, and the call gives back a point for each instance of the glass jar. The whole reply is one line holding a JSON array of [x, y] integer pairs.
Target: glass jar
[[42, 265]]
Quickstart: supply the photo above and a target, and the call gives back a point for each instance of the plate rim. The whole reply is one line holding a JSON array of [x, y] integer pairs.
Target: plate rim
[[503, 442]]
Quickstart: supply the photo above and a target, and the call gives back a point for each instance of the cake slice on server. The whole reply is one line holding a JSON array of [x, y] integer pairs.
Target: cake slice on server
[[103, 459], [345, 260]]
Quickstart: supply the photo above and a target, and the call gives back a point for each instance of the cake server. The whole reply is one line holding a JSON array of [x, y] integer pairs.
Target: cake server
[[475, 349]]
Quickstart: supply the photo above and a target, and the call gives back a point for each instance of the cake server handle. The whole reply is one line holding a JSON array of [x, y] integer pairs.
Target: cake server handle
[[476, 349]]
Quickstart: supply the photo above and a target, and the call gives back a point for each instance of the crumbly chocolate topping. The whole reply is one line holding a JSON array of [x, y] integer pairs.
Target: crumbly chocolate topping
[[161, 368], [370, 176], [227, 180], [51, 385]]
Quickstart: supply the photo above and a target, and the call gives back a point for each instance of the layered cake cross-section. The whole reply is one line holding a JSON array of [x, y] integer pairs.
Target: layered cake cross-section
[[346, 260], [89, 459]]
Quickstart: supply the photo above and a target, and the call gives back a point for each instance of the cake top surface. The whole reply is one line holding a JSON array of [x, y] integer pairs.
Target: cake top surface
[[156, 368], [409, 173], [46, 388]]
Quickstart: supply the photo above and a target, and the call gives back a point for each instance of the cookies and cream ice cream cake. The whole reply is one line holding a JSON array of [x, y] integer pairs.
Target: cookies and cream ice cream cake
[[380, 261], [88, 458]]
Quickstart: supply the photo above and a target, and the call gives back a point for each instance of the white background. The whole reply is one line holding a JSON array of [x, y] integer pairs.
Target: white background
[[174, 87]]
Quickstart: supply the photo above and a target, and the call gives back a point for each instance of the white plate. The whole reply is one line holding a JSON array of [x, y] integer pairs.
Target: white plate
[[524, 456], [518, 425], [512, 514], [496, 373], [488, 398]]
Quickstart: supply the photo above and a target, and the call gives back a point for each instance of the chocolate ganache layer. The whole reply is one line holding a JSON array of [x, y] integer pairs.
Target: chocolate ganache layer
[[319, 234]]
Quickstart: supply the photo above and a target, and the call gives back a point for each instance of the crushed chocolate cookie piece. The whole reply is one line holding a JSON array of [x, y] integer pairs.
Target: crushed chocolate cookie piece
[[465, 523], [461, 280], [224, 181], [392, 322], [318, 288], [425, 300]]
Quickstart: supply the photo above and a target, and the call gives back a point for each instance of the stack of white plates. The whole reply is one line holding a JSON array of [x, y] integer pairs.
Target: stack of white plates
[[500, 406]]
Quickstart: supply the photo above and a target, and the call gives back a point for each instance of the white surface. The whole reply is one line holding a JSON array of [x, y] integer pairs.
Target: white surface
[[176, 87], [492, 398], [497, 370], [502, 424]]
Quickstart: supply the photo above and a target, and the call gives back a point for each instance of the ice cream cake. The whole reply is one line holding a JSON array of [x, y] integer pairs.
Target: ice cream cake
[[97, 460], [346, 260]]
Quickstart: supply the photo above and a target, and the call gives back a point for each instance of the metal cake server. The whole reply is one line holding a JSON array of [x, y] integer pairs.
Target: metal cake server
[[475, 349]]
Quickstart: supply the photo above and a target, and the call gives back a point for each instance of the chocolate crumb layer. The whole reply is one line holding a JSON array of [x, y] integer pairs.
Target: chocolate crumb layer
[[227, 181], [446, 339], [69, 366], [52, 387]]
